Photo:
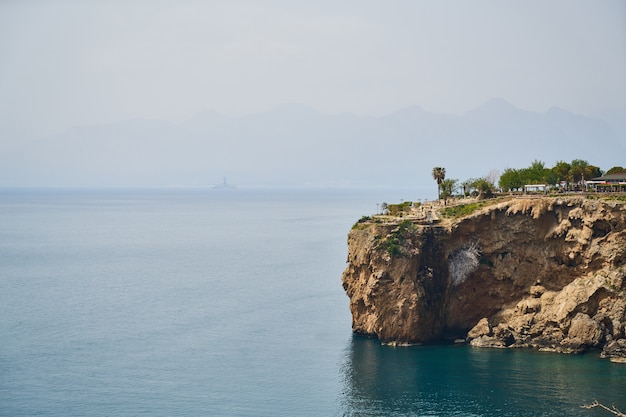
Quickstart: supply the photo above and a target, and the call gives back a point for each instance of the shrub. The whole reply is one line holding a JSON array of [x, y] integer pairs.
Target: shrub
[[394, 242], [399, 209], [461, 210]]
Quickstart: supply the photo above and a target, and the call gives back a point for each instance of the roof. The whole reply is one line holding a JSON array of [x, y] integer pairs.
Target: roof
[[621, 176]]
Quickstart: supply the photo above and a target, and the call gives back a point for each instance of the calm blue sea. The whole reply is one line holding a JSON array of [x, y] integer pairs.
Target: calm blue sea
[[229, 303]]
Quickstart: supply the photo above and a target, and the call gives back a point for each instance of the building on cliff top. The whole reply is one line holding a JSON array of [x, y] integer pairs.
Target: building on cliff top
[[611, 182]]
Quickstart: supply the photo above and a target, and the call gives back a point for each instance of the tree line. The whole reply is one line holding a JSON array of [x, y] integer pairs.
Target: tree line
[[562, 173], [569, 176]]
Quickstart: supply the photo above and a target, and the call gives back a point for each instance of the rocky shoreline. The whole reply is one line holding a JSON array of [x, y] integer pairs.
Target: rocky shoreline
[[547, 273]]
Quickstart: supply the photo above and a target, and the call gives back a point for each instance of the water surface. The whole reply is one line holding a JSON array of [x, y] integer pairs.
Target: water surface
[[229, 303]]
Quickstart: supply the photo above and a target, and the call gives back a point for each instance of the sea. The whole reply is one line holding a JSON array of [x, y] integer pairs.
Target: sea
[[228, 302]]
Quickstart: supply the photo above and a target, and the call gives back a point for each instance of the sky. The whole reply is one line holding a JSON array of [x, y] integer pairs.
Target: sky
[[70, 63]]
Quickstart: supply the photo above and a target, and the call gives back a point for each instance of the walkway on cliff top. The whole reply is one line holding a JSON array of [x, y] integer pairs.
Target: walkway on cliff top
[[429, 213]]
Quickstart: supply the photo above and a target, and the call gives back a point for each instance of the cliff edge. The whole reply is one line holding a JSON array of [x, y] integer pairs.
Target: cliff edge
[[545, 272]]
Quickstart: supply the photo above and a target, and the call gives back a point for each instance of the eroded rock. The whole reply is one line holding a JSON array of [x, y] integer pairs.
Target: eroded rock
[[546, 273]]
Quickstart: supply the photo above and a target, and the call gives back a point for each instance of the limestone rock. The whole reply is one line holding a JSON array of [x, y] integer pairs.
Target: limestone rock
[[547, 273], [481, 329], [487, 341], [583, 332], [615, 349]]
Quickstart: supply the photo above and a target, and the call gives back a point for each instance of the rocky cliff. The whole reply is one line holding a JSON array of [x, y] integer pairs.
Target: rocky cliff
[[546, 272]]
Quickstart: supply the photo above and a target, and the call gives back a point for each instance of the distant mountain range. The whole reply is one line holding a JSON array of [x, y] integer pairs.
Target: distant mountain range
[[296, 145]]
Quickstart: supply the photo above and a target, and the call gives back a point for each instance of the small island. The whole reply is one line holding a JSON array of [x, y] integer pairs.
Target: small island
[[544, 271]]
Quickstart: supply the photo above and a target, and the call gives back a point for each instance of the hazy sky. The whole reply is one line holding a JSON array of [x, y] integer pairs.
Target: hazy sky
[[65, 63]]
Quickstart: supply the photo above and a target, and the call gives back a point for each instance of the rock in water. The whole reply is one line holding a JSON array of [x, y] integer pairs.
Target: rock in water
[[545, 272]]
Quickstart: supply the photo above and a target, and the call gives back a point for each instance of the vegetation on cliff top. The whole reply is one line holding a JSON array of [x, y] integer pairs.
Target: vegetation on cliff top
[[607, 197], [561, 180], [564, 176], [395, 241], [462, 210]]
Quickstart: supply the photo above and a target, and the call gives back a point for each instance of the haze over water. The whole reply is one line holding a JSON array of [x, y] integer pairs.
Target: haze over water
[[274, 93], [155, 298], [229, 302]]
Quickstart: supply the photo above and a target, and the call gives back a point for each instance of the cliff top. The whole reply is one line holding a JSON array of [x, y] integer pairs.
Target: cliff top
[[436, 212]]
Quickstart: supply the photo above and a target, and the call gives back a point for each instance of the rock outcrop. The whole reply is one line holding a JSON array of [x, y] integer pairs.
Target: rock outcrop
[[547, 273]]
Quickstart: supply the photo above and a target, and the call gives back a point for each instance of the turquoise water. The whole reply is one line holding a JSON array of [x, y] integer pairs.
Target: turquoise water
[[229, 303], [463, 381]]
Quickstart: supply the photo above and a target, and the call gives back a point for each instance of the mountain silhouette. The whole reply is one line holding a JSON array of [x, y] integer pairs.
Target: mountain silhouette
[[293, 144]]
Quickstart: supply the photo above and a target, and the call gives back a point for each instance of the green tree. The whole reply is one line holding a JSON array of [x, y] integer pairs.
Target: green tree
[[448, 187], [467, 185], [550, 177], [439, 174], [592, 171], [484, 187], [577, 171], [539, 174], [535, 173], [615, 170], [561, 169], [582, 171], [510, 179]]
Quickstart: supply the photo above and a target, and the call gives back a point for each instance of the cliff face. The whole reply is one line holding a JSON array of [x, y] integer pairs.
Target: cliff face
[[546, 273]]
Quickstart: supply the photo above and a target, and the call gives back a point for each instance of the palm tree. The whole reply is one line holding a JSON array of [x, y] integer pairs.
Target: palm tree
[[439, 174], [448, 187]]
